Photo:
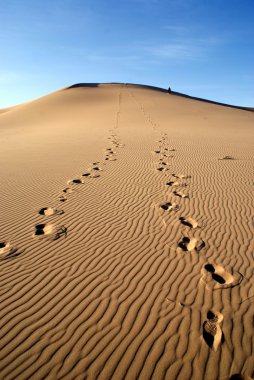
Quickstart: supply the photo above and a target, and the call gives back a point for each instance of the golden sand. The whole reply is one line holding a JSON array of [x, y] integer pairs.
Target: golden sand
[[108, 272]]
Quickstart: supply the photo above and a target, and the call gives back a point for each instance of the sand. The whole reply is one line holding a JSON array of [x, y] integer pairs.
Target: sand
[[126, 237]]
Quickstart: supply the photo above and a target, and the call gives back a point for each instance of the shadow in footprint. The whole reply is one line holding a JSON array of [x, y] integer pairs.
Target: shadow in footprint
[[40, 229], [237, 376], [2, 245]]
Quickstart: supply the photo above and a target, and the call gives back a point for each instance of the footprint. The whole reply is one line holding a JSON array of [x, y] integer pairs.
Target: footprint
[[170, 206], [86, 174], [157, 151], [212, 333], [173, 183], [221, 279], [162, 169], [62, 198], [48, 211], [189, 222], [110, 154], [215, 276], [227, 158], [6, 249], [67, 190], [50, 230], [163, 162], [181, 176], [96, 168], [180, 194], [94, 175], [110, 151], [75, 181], [191, 244]]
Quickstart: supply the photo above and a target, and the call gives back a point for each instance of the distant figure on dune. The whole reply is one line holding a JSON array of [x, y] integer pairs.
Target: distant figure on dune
[[169, 90]]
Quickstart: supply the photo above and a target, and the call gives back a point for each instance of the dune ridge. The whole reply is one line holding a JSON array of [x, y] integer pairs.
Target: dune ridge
[[154, 88], [127, 290]]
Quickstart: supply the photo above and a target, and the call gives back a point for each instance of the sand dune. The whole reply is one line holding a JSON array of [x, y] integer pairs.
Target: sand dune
[[126, 237]]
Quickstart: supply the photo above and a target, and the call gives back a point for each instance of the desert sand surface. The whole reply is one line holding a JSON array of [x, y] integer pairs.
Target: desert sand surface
[[126, 237]]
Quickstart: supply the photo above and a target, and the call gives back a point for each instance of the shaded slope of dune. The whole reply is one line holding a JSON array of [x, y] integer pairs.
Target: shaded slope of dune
[[108, 284]]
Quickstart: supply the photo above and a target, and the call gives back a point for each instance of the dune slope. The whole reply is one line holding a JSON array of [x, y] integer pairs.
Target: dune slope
[[126, 237]]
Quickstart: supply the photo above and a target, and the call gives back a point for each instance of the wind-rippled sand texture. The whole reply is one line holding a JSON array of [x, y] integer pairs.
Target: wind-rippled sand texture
[[98, 281]]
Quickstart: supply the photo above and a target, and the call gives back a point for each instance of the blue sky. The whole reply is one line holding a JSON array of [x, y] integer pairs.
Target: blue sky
[[203, 48]]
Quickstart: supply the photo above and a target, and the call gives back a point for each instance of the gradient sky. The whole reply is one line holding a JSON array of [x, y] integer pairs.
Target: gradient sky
[[203, 48]]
